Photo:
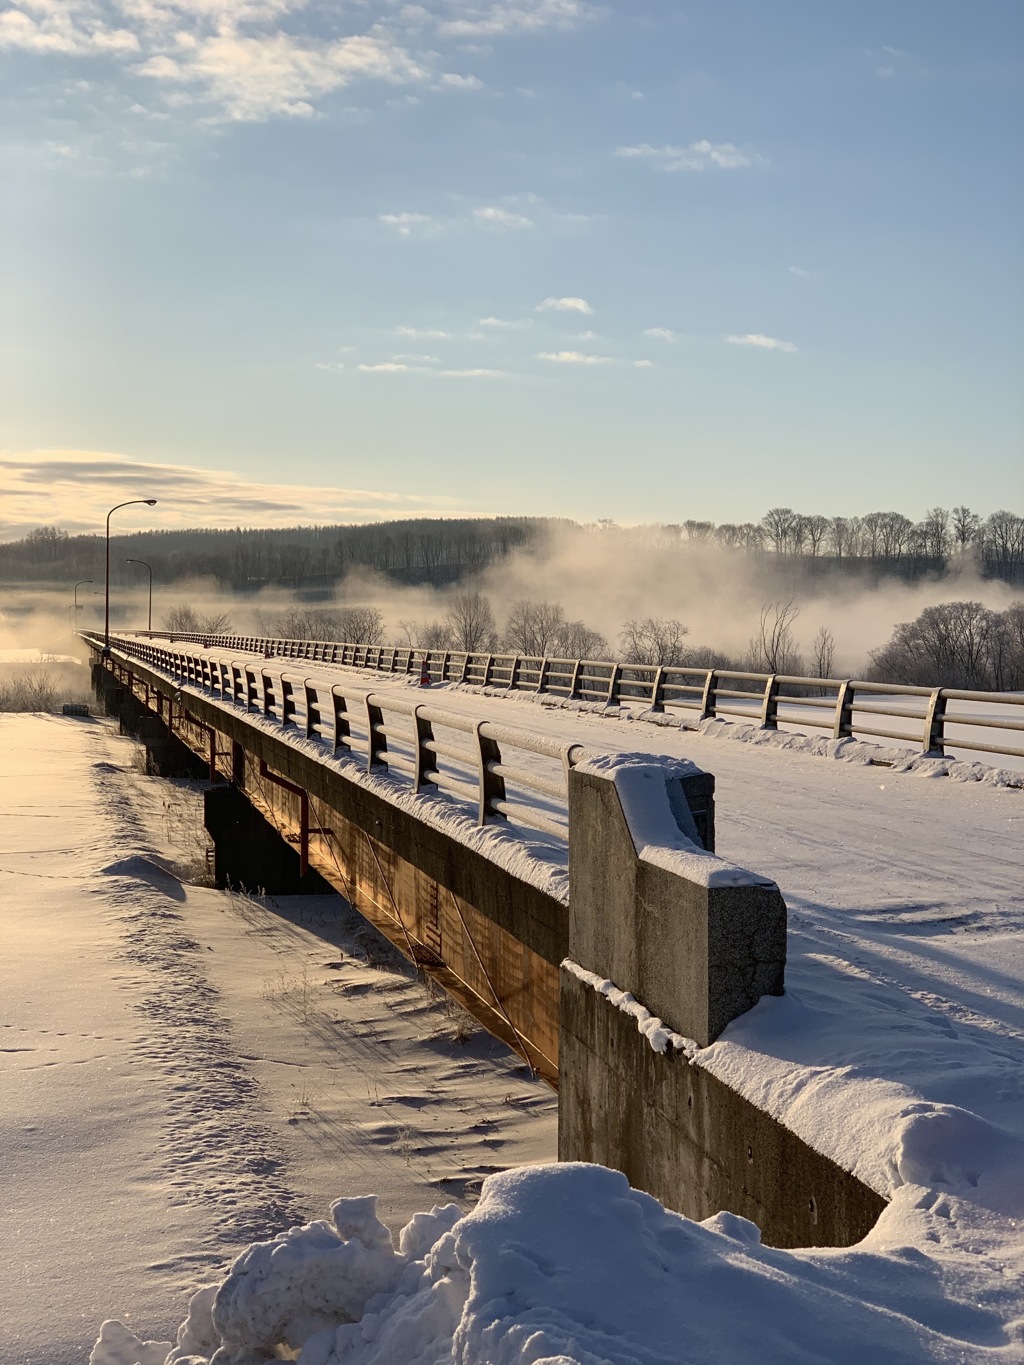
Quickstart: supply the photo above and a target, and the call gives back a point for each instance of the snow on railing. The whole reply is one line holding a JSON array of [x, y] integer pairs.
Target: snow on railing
[[844, 706], [434, 749]]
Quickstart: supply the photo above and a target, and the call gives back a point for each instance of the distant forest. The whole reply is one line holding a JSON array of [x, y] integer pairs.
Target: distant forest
[[440, 552]]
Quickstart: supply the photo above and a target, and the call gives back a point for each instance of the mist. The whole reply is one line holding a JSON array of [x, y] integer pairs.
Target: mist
[[603, 575]]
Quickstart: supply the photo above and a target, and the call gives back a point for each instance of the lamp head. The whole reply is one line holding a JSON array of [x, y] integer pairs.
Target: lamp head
[[150, 502]]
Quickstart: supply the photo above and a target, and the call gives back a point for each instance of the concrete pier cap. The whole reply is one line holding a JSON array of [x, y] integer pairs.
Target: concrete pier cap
[[696, 939]]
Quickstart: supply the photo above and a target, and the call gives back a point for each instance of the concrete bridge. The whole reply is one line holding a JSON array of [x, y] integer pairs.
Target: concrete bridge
[[570, 899]]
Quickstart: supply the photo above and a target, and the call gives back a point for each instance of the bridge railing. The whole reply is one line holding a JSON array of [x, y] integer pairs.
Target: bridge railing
[[981, 722], [507, 773]]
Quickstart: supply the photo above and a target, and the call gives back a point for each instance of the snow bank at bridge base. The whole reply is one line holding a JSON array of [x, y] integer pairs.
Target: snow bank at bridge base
[[566, 1265]]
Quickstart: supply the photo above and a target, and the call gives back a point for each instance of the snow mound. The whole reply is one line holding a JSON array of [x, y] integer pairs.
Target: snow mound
[[567, 1265]]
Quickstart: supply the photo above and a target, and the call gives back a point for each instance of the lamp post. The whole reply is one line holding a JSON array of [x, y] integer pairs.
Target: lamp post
[[74, 620], [149, 502], [149, 627]]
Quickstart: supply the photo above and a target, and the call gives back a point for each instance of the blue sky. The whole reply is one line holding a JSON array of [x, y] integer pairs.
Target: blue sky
[[279, 260]]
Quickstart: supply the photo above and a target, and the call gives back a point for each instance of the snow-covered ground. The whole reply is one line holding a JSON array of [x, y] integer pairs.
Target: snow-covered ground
[[182, 1070], [898, 1049]]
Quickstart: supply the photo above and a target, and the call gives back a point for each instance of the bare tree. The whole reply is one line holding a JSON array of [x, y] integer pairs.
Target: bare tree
[[951, 644], [817, 527], [577, 641], [778, 526], [533, 627], [358, 625], [773, 647], [471, 622], [936, 533], [434, 635], [653, 640], [966, 525], [823, 647], [185, 620]]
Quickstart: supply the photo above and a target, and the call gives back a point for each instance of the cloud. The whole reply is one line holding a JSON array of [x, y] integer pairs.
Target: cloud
[[697, 156], [509, 17], [511, 213], [573, 358], [492, 215], [451, 81], [427, 365], [761, 342], [505, 324], [661, 333], [564, 305], [76, 488], [410, 224], [472, 374], [643, 364], [424, 333], [252, 60]]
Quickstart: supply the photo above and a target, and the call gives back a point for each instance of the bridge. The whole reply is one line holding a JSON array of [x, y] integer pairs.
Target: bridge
[[570, 898]]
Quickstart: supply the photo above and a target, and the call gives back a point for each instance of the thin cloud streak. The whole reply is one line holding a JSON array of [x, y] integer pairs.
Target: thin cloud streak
[[761, 342], [75, 489], [697, 156], [564, 304]]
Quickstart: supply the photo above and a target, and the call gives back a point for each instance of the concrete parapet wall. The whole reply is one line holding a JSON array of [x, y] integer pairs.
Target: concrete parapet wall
[[694, 938], [684, 1136]]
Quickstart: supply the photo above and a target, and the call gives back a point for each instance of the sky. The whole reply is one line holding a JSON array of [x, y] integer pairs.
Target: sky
[[278, 261]]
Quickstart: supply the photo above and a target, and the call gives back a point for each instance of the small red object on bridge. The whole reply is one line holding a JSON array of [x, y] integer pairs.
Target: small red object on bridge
[[425, 674]]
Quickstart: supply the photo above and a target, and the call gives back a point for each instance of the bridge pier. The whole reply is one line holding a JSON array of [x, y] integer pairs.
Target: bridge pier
[[166, 754], [249, 853]]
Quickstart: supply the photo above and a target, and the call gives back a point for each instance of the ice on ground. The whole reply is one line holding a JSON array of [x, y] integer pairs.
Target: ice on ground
[[567, 1265]]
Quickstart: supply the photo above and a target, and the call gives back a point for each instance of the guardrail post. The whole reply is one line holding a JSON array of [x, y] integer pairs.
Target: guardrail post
[[843, 728], [614, 680], [770, 705], [268, 693], [465, 668], [377, 743], [933, 741], [446, 670], [250, 688], [287, 701], [513, 677], [313, 717], [658, 690], [488, 670], [342, 729], [425, 758], [574, 681], [542, 674], [709, 698], [492, 785]]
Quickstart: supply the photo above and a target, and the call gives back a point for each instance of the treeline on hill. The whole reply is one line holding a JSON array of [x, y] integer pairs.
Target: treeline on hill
[[442, 552], [437, 551]]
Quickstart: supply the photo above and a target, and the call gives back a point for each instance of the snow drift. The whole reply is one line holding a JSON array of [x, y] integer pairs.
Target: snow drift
[[567, 1265]]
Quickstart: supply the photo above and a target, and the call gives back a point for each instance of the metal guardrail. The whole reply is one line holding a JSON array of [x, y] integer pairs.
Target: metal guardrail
[[845, 707], [388, 733]]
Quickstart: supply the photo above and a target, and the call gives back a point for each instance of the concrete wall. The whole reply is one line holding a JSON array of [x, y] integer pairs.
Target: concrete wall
[[677, 1132]]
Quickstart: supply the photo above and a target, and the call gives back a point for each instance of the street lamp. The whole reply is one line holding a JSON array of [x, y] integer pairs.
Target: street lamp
[[149, 502], [150, 568], [74, 620]]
